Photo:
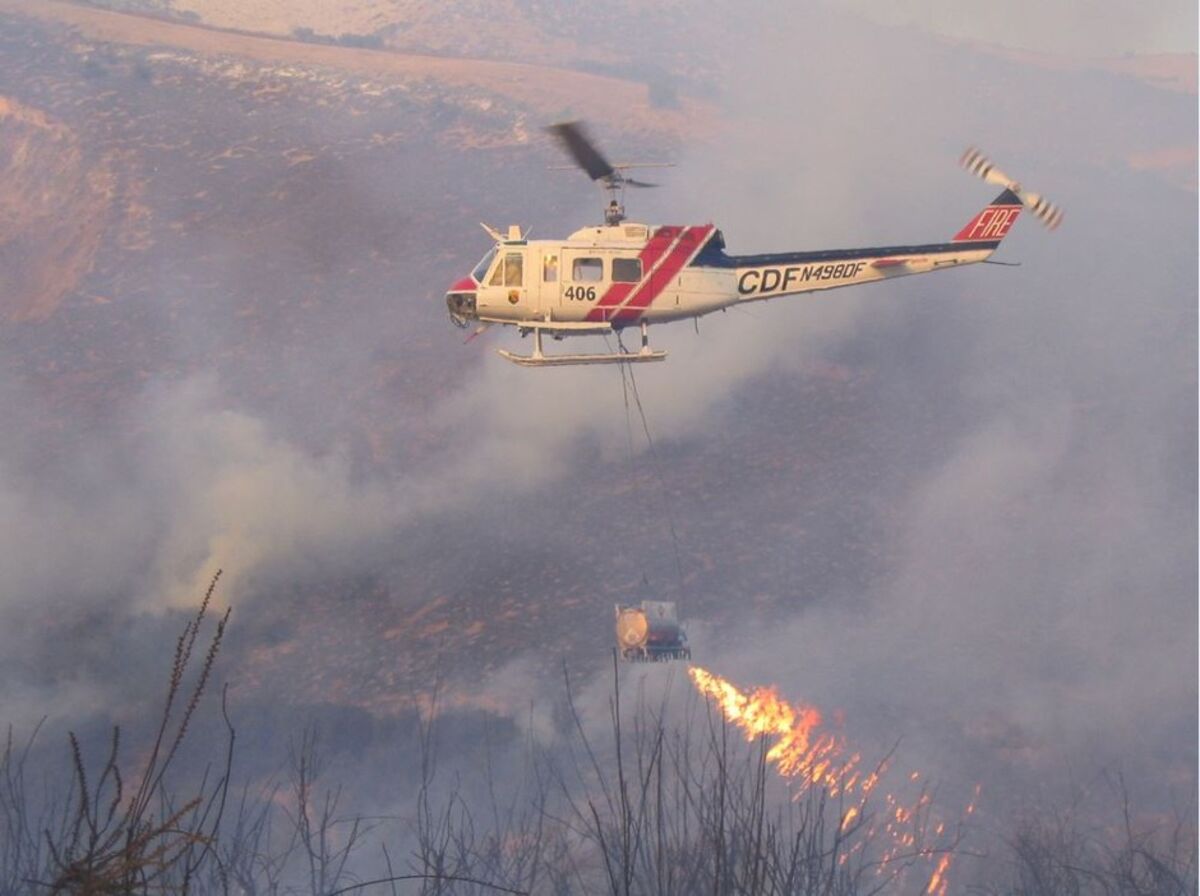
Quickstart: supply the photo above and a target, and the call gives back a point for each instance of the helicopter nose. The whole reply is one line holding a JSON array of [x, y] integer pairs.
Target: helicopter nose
[[460, 301]]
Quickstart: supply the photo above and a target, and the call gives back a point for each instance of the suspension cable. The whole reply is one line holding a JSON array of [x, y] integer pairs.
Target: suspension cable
[[654, 465]]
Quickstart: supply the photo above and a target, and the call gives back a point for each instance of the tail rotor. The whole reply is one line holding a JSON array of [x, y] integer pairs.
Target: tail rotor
[[979, 165]]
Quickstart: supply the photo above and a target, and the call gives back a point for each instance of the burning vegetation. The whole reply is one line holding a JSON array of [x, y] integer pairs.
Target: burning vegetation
[[901, 832], [637, 804]]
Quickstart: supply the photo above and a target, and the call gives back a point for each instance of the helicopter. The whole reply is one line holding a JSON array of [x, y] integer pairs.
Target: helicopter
[[603, 279]]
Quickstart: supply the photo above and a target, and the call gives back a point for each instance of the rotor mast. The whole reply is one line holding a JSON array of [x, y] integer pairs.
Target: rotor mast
[[583, 152]]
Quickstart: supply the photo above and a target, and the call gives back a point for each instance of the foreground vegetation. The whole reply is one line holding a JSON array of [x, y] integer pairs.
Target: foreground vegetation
[[656, 808]]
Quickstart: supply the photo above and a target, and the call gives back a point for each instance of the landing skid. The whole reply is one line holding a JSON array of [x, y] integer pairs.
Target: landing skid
[[575, 360], [539, 359]]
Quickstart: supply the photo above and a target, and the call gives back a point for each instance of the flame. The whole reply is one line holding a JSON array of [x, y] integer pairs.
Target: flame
[[809, 755], [848, 818], [938, 882], [800, 750]]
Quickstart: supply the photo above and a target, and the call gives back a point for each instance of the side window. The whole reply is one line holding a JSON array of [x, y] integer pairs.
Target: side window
[[550, 268], [627, 270], [510, 272], [587, 270]]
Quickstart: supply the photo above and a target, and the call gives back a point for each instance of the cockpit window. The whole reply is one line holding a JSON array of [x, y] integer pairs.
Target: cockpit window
[[481, 269], [514, 269], [510, 272]]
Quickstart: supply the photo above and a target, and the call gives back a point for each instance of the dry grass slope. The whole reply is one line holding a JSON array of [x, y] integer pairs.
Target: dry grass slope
[[552, 93], [54, 205]]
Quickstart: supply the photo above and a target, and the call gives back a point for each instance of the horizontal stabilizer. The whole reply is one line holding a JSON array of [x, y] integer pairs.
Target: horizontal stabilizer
[[885, 263]]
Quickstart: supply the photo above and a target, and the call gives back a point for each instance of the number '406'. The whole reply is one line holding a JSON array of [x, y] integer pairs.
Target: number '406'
[[583, 293]]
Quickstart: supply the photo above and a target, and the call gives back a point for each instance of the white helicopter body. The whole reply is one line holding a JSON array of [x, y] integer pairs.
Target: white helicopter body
[[623, 274]]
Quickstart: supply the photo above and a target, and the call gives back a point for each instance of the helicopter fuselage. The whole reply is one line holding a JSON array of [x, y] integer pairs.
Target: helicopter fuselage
[[604, 279], [611, 277]]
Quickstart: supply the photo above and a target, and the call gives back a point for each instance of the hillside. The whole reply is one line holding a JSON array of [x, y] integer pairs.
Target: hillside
[[170, 210], [223, 342]]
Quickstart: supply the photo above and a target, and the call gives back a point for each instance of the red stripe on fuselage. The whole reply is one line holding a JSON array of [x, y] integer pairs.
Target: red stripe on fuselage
[[619, 292], [690, 242], [610, 301]]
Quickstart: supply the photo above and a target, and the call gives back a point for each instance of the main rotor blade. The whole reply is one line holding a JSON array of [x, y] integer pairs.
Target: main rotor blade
[[630, 182], [575, 141]]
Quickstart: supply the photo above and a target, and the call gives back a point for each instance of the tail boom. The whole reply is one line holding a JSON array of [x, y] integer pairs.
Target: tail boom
[[767, 276], [758, 277]]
